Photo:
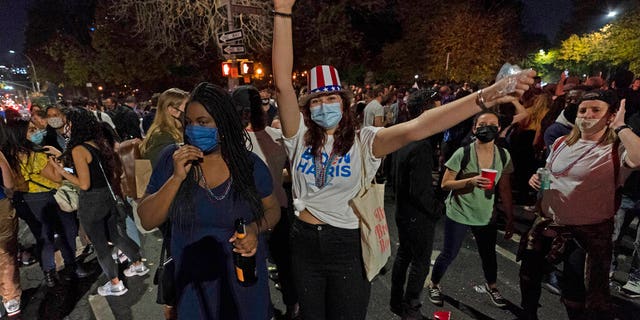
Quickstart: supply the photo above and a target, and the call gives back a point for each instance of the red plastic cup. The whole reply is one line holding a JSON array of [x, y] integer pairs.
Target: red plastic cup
[[491, 175], [442, 315]]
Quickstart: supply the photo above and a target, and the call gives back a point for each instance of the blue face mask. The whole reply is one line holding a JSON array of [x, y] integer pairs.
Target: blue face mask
[[204, 138], [327, 115], [38, 136]]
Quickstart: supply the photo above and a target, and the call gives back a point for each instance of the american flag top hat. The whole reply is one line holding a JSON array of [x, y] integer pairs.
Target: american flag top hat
[[321, 80]]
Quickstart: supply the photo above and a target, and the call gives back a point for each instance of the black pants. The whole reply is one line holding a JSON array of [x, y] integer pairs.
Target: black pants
[[24, 212], [328, 272], [454, 234], [281, 252], [97, 215], [585, 285], [414, 254], [53, 221]]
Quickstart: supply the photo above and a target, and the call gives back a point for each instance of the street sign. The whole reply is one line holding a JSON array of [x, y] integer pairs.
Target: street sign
[[230, 36], [247, 10], [233, 49]]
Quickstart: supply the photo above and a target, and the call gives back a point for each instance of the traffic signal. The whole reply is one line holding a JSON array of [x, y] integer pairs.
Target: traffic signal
[[226, 68], [246, 67]]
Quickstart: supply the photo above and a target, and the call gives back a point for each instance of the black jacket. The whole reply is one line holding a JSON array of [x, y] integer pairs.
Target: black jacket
[[126, 121], [415, 195]]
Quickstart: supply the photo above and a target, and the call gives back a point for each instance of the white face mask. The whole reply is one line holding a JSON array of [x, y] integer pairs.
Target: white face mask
[[55, 122], [586, 125]]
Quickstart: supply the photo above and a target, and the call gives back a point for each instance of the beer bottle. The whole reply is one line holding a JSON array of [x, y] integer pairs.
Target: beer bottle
[[245, 266]]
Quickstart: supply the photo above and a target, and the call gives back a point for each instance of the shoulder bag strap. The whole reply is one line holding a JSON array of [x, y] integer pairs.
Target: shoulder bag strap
[[96, 157], [615, 157], [36, 182], [364, 184]]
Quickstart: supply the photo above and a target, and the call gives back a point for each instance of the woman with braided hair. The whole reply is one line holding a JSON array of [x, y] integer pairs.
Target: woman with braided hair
[[203, 187]]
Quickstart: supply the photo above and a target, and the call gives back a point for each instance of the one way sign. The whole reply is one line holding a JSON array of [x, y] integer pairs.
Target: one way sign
[[233, 49], [230, 36]]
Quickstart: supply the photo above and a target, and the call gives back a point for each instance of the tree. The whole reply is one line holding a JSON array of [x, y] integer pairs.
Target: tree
[[167, 23], [476, 40]]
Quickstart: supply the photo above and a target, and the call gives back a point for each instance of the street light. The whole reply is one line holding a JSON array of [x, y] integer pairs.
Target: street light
[[612, 14], [33, 67]]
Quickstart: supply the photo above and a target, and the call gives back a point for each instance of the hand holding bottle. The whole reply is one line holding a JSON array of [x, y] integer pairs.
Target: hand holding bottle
[[245, 243]]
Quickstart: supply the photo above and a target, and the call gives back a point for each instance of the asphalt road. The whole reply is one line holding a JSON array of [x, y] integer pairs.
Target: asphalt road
[[79, 300]]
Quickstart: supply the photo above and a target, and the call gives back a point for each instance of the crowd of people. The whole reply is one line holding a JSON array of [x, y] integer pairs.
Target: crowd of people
[[290, 166]]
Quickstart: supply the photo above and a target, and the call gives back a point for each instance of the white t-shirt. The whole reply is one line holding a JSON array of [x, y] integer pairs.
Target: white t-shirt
[[330, 204], [371, 111], [267, 144], [584, 194]]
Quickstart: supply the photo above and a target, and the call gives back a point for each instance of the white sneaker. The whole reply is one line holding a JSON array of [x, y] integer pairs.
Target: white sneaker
[[133, 270], [109, 289], [631, 289], [12, 306]]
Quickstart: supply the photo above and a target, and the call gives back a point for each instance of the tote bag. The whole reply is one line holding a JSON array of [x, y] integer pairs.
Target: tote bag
[[368, 205]]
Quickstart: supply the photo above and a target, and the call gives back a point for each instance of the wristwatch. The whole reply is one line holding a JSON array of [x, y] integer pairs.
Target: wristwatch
[[620, 128]]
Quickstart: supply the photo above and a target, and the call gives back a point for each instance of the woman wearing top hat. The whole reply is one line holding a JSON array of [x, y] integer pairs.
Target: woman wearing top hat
[[320, 134]]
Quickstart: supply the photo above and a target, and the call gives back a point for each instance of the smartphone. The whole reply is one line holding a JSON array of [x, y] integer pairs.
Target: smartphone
[[70, 170], [566, 73]]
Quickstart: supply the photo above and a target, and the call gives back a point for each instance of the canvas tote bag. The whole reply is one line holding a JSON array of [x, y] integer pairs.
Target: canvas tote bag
[[368, 205]]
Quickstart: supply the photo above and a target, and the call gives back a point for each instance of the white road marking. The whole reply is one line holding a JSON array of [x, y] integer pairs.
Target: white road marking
[[100, 307]]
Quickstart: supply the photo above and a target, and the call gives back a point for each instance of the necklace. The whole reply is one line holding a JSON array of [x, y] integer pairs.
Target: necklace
[[565, 171], [212, 196], [322, 169]]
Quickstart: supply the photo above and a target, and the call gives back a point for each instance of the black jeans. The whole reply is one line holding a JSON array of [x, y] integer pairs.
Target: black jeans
[[328, 272], [24, 212], [281, 253], [414, 254], [454, 234], [97, 214], [53, 221]]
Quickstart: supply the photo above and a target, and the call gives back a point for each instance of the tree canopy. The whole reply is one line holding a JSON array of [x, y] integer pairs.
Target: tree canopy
[[163, 43]]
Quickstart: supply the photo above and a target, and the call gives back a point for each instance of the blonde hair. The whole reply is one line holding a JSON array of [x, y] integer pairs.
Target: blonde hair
[[538, 109], [163, 121], [608, 137]]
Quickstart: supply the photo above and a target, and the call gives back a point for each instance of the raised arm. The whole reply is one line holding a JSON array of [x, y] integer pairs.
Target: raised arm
[[438, 119], [521, 112], [629, 139], [283, 67]]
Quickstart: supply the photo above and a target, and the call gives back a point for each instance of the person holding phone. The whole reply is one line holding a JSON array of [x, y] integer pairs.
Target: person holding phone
[[98, 170], [42, 180], [203, 187]]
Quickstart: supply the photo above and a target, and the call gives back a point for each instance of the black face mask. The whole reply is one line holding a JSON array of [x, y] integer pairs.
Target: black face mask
[[487, 133]]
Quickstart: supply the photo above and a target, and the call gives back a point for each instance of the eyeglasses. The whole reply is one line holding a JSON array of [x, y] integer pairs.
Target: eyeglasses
[[177, 109]]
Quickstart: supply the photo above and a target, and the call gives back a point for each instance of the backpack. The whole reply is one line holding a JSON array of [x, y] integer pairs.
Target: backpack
[[466, 156]]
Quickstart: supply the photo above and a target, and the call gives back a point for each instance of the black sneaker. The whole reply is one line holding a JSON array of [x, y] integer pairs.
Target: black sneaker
[[435, 296], [50, 278], [495, 296]]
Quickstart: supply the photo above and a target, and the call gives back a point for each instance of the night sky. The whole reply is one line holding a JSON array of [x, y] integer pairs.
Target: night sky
[[13, 20], [545, 16], [540, 16]]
